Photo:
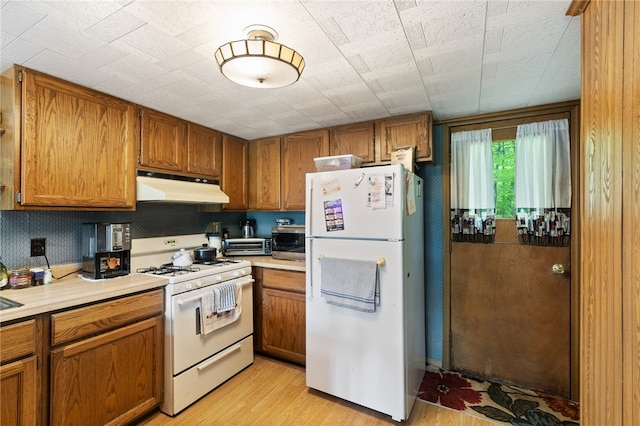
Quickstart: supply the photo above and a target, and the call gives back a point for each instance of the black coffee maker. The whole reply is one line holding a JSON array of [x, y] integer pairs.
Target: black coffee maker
[[106, 250]]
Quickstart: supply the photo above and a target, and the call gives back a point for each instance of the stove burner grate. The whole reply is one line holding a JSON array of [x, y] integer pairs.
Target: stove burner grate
[[167, 269]]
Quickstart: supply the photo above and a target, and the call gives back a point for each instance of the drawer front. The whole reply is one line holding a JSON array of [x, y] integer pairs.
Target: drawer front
[[17, 340], [283, 280], [77, 323]]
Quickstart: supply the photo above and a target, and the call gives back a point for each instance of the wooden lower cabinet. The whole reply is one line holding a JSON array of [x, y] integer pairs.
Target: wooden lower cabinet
[[280, 324], [114, 375], [19, 373]]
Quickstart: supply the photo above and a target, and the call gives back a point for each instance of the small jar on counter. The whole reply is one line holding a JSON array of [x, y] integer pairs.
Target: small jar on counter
[[21, 278]]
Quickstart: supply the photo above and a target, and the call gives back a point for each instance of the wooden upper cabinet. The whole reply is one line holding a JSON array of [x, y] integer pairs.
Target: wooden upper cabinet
[[298, 152], [204, 151], [407, 130], [234, 172], [356, 139], [77, 148], [163, 141], [264, 176]]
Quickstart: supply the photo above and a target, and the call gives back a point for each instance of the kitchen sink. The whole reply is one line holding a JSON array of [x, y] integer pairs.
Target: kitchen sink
[[8, 303]]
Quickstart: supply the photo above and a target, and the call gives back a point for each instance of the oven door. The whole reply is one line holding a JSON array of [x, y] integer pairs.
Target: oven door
[[189, 344]]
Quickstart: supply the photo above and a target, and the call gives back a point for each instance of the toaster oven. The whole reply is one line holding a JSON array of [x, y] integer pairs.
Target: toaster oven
[[246, 247], [288, 242]]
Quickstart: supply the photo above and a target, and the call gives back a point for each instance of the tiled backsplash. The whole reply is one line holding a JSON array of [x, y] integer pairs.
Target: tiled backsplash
[[62, 229]]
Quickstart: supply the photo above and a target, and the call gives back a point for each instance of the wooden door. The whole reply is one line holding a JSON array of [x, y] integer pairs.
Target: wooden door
[[204, 152], [408, 130], [163, 141], [298, 152], [113, 377], [356, 139], [510, 313], [78, 146], [19, 392], [234, 172], [264, 179]]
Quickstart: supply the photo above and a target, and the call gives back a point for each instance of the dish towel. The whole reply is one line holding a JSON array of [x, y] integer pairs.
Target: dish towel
[[351, 284], [211, 319]]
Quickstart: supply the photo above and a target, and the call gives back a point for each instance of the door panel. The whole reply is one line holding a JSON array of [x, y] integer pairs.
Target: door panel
[[510, 314]]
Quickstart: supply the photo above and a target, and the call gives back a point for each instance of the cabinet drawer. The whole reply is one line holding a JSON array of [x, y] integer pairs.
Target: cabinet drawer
[[81, 322], [283, 280], [17, 340]]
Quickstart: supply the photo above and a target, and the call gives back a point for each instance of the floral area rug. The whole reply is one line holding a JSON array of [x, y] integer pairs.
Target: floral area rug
[[497, 402]]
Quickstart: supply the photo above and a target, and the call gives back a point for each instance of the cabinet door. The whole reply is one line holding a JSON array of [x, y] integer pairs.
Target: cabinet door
[[409, 130], [78, 146], [204, 153], [264, 179], [282, 312], [115, 376], [356, 139], [18, 392], [283, 324], [162, 144], [298, 152], [234, 172]]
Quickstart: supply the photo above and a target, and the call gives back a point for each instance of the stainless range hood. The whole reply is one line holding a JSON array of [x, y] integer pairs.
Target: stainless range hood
[[161, 187]]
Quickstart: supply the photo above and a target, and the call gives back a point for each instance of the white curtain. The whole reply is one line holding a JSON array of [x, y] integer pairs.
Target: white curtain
[[472, 190], [543, 182]]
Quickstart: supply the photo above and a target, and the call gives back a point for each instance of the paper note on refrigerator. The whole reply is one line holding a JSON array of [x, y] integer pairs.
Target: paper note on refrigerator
[[380, 191]]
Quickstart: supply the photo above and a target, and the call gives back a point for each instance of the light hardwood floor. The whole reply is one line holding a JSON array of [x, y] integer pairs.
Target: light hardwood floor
[[272, 392]]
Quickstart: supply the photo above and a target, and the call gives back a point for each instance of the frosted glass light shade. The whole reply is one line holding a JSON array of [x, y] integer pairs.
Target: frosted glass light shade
[[259, 63]]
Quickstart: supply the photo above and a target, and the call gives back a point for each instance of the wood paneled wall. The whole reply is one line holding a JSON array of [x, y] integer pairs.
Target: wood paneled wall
[[610, 187]]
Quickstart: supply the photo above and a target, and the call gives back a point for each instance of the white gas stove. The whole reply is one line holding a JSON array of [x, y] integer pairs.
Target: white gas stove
[[152, 256], [202, 349]]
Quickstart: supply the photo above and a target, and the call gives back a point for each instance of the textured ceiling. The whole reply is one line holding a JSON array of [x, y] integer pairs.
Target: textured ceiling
[[364, 59]]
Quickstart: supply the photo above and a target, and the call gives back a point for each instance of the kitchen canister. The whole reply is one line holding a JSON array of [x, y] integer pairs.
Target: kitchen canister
[[20, 278]]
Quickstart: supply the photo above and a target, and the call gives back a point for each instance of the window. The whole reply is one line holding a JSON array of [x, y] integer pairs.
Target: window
[[504, 174]]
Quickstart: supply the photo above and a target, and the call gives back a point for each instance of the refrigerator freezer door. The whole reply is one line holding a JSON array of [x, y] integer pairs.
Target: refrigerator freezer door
[[359, 356], [367, 203]]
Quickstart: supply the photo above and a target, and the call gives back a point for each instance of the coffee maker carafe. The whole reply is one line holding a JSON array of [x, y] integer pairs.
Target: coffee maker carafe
[[214, 235], [248, 228], [106, 250]]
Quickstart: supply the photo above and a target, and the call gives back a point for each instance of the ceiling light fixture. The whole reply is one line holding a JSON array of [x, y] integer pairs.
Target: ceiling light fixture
[[258, 61]]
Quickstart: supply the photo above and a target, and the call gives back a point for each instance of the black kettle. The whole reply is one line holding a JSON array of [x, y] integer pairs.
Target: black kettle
[[248, 228]]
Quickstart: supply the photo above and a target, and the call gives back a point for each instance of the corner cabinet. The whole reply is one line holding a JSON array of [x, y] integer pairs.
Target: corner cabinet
[[264, 179], [107, 361], [234, 173], [407, 130], [298, 152], [82, 141], [279, 319], [20, 388]]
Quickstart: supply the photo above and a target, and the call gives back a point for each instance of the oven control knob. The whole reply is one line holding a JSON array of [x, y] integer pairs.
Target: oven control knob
[[189, 286], [218, 278], [198, 283]]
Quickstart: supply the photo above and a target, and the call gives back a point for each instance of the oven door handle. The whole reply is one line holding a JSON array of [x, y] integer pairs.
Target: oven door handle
[[196, 298], [218, 357]]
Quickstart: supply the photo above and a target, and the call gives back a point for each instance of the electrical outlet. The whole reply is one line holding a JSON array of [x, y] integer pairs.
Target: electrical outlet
[[38, 247]]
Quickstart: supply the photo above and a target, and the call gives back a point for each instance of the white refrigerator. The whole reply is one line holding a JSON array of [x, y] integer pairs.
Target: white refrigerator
[[374, 357]]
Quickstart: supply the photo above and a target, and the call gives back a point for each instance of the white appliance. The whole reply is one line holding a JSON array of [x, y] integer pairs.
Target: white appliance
[[374, 359], [197, 359]]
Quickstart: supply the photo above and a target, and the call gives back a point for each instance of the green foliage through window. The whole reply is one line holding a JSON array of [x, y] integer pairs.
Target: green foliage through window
[[504, 175]]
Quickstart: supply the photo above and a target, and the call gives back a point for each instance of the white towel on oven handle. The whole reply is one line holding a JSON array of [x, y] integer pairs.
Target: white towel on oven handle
[[210, 319]]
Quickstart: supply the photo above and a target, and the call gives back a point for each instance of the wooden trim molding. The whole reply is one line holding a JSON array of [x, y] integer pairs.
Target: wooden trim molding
[[577, 7]]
